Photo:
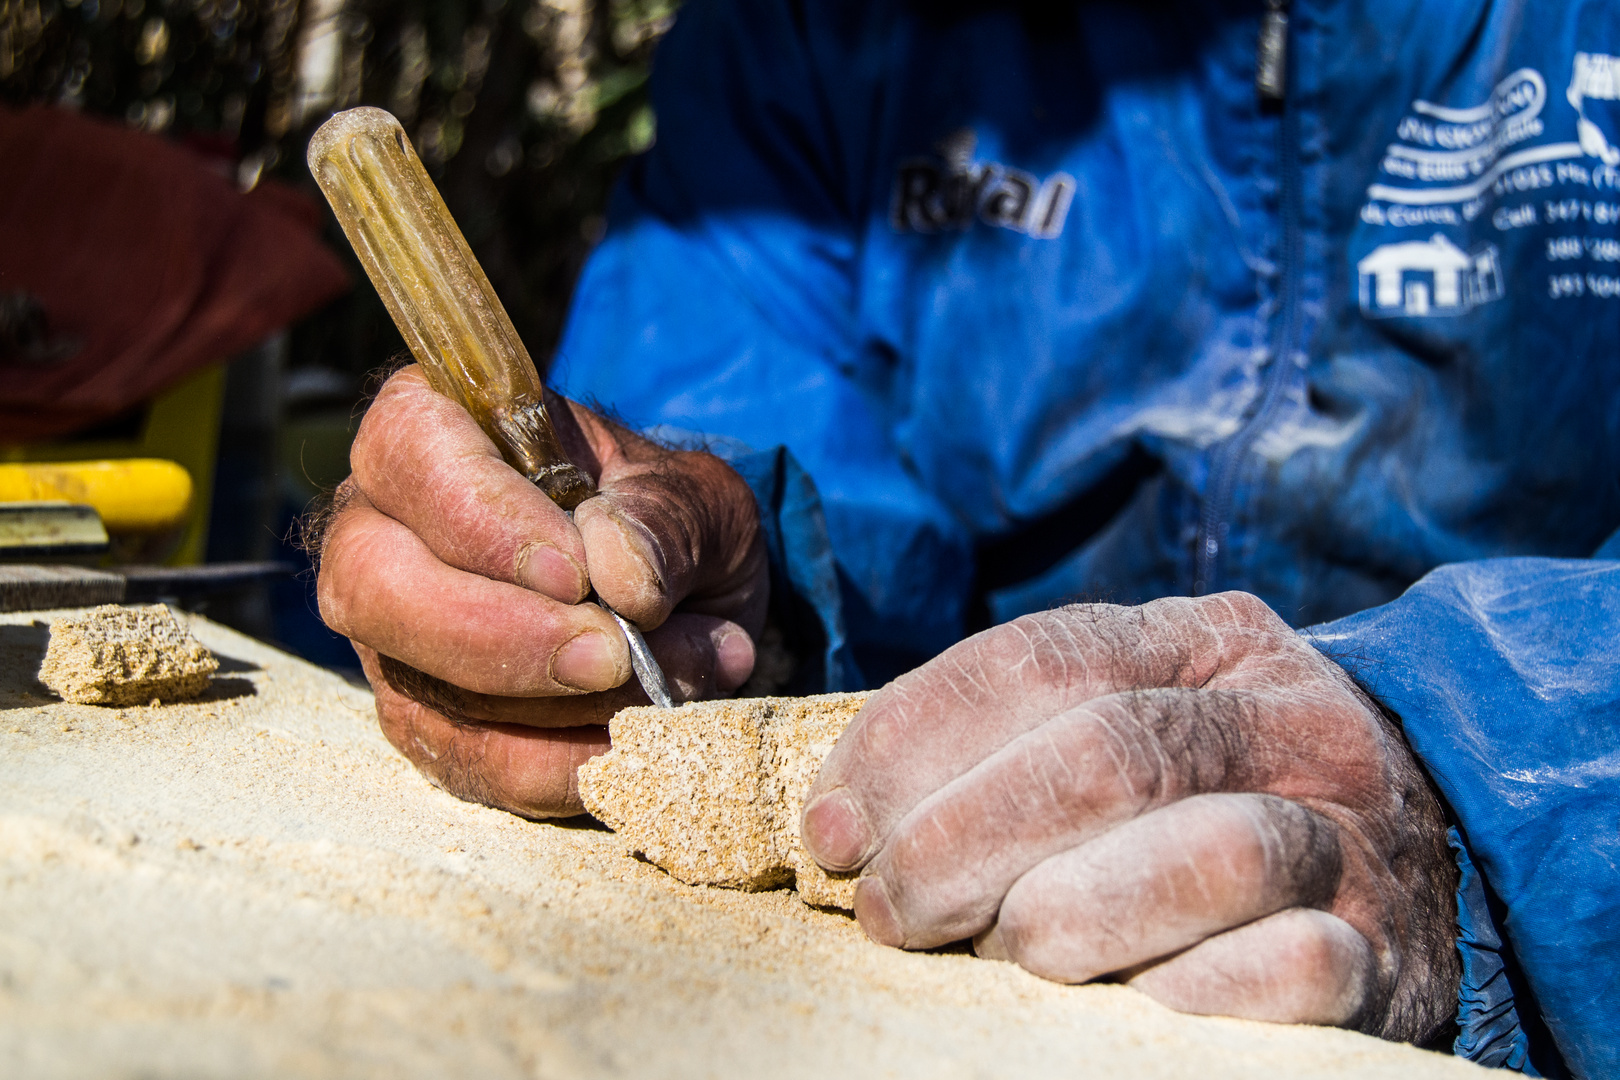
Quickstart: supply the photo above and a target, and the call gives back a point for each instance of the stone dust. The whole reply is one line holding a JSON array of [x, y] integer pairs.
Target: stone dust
[[254, 884]]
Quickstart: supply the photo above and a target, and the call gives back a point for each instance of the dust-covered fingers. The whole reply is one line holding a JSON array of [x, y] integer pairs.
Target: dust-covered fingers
[[674, 528], [381, 586], [1298, 966], [1163, 882], [526, 770], [423, 461], [934, 724], [943, 870]]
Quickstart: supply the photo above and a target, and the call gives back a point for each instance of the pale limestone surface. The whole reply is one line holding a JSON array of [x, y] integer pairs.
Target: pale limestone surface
[[712, 791], [125, 655], [255, 885]]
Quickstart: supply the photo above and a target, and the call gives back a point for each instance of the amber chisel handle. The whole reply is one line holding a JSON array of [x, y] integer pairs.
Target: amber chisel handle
[[438, 294], [448, 312]]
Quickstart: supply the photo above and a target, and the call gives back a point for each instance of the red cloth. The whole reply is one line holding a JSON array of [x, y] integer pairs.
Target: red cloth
[[145, 254]]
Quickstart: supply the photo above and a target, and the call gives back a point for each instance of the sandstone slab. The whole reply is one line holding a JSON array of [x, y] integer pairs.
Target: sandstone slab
[[254, 884]]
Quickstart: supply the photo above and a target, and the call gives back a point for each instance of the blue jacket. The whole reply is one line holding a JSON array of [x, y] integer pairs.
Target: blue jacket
[[1049, 303]]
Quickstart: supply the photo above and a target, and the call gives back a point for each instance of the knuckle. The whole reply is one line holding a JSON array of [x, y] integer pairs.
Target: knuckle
[[388, 411], [1175, 608], [885, 730], [313, 531], [337, 580], [401, 721], [396, 728], [404, 386], [331, 595], [328, 600], [1247, 610], [701, 503], [413, 438]]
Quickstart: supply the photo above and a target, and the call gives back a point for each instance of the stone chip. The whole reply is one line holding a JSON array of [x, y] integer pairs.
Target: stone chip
[[114, 655], [712, 791]]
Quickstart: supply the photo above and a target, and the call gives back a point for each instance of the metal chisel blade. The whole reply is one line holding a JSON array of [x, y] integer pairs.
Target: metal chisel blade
[[650, 675]]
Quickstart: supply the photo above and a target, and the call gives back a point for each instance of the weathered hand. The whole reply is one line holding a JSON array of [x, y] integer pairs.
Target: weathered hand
[[460, 585], [1184, 795]]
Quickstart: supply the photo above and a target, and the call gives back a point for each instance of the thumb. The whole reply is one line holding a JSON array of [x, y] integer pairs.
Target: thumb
[[675, 528]]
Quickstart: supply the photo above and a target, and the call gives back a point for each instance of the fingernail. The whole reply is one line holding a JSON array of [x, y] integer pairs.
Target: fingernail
[[734, 659], [835, 831], [876, 914], [586, 662], [546, 569]]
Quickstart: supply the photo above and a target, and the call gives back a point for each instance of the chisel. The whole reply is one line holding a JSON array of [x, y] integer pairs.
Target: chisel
[[448, 313]]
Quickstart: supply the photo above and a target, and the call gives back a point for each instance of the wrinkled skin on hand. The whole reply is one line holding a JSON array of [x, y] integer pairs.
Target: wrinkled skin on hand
[[461, 584], [1184, 795]]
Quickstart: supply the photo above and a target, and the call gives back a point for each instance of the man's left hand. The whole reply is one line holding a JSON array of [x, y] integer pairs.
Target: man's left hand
[[1184, 795]]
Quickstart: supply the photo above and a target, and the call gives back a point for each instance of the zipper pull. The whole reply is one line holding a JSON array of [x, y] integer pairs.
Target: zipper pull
[[1271, 60]]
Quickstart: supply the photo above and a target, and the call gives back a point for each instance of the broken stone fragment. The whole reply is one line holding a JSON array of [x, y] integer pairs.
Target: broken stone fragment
[[113, 655], [712, 791]]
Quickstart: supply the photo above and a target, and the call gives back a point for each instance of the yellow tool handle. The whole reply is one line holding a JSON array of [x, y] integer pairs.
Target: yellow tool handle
[[448, 313], [131, 495], [437, 293]]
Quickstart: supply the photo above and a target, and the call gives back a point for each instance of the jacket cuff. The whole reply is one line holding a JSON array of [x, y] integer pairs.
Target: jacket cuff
[[1489, 1032]]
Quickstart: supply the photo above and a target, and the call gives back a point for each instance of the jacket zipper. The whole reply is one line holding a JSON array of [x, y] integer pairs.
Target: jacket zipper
[[1271, 82], [1271, 58]]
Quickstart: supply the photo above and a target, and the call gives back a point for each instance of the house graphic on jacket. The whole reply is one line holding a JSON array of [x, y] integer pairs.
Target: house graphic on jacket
[[1428, 277]]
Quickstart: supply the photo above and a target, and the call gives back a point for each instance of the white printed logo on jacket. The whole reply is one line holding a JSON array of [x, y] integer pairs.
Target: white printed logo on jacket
[[1453, 172]]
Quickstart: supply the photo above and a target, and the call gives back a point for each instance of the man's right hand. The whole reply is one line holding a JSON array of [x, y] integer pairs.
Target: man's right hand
[[461, 584]]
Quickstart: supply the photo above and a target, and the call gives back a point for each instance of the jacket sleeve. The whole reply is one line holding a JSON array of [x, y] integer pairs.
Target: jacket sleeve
[[723, 297], [1506, 678]]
